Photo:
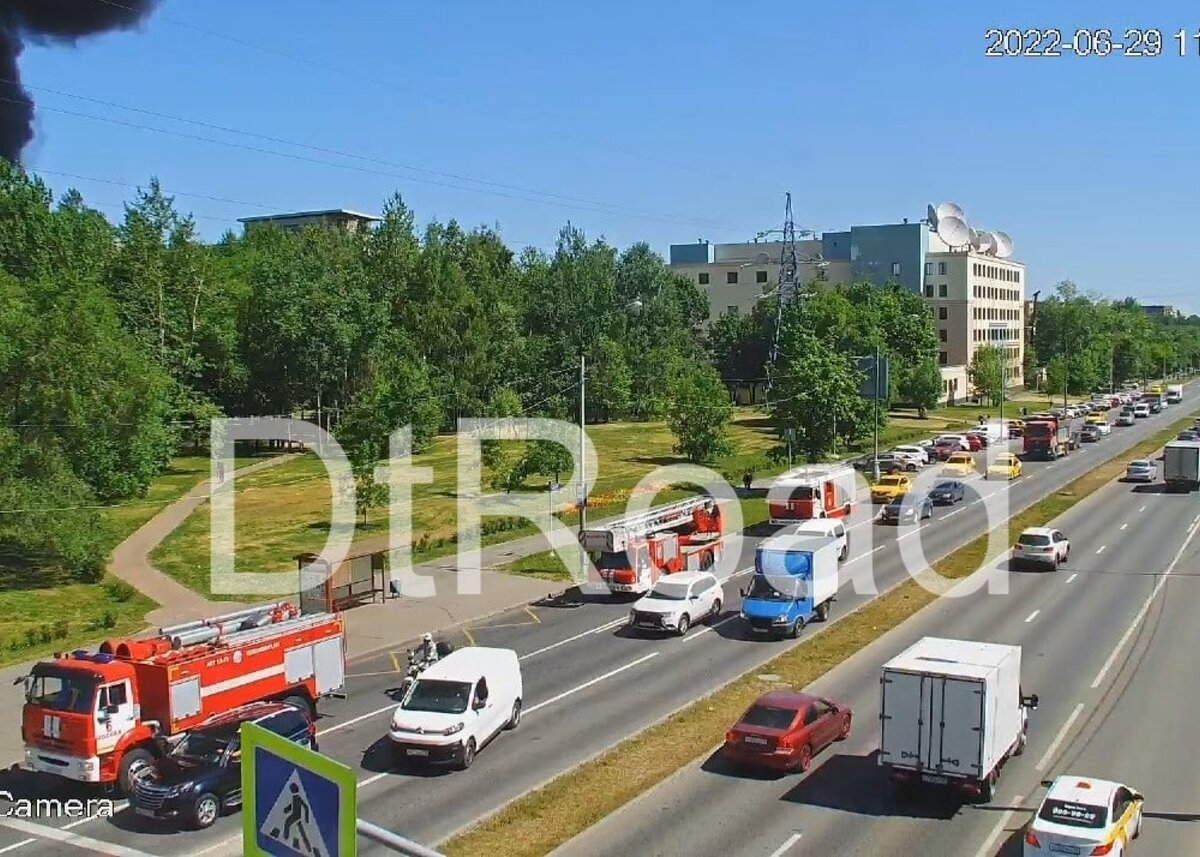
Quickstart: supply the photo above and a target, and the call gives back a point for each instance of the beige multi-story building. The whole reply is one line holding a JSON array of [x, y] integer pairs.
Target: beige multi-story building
[[977, 299]]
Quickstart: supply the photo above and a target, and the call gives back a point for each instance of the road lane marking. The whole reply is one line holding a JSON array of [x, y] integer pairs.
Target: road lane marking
[[1141, 614], [335, 727], [708, 628], [373, 778], [1073, 576], [788, 843], [1142, 509], [1101, 548], [54, 834], [1032, 616], [558, 698], [16, 845], [467, 633], [614, 623], [1058, 738], [1123, 526], [989, 845]]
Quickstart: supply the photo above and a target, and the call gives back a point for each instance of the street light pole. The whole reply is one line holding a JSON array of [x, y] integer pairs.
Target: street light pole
[[582, 494], [875, 415]]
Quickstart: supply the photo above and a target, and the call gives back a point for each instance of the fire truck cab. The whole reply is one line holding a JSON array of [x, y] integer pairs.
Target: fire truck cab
[[631, 553], [819, 491], [99, 717]]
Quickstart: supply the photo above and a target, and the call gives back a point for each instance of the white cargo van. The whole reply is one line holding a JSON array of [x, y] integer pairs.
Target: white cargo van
[[952, 713], [458, 705]]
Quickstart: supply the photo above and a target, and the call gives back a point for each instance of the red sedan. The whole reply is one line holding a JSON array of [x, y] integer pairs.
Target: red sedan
[[975, 442], [784, 729]]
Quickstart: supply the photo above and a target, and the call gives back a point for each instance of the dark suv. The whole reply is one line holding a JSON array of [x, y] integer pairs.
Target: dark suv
[[201, 775]]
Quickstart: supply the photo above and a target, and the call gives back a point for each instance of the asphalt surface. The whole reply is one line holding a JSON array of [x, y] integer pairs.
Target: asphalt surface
[[588, 684], [1116, 683]]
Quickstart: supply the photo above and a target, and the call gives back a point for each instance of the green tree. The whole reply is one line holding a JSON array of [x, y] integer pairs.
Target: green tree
[[921, 386], [700, 416], [815, 393], [986, 372]]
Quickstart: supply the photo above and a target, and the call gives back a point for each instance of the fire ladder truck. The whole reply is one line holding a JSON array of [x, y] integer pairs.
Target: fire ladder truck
[[632, 552], [102, 717]]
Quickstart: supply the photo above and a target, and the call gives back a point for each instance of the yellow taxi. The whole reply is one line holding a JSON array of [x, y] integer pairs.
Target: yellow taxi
[[889, 487], [1082, 815], [1006, 466], [960, 464]]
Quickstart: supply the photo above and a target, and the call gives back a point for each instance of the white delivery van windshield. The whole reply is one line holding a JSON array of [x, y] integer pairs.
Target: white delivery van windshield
[[443, 697]]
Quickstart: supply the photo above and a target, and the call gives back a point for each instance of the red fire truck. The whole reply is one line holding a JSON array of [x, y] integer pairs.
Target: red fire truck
[[631, 553], [819, 491], [101, 717]]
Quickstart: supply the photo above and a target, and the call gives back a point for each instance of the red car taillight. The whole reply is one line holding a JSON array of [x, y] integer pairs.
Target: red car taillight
[[1101, 850], [1031, 839], [731, 737]]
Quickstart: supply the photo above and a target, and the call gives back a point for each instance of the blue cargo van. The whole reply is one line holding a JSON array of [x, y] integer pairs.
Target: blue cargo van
[[795, 581]]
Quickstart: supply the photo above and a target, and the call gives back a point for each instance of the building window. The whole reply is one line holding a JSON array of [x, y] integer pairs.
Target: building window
[[895, 269], [929, 291], [928, 268], [1018, 273], [942, 335], [760, 276], [702, 278], [731, 310], [942, 313], [942, 290], [942, 268], [942, 358], [731, 278]]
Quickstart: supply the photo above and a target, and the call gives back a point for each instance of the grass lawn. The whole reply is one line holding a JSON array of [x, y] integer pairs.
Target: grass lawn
[[285, 510], [38, 622]]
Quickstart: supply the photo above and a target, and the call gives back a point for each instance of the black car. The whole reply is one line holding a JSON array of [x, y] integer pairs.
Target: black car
[[907, 508], [948, 493], [1089, 433], [202, 775]]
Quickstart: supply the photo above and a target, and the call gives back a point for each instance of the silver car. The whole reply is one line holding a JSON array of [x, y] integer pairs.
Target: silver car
[[1141, 470]]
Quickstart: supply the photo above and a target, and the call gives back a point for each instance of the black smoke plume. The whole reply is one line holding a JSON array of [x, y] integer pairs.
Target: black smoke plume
[[53, 21]]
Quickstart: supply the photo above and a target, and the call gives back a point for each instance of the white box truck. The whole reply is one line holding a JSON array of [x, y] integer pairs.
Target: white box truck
[[951, 714], [1174, 394], [1181, 465]]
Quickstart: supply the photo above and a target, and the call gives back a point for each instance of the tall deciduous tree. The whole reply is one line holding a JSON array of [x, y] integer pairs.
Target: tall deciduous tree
[[986, 372], [700, 415]]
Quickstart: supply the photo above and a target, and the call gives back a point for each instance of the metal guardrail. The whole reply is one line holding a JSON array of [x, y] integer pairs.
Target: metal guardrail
[[393, 841]]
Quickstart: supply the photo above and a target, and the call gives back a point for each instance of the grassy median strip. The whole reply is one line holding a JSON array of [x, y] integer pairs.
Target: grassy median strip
[[545, 818]]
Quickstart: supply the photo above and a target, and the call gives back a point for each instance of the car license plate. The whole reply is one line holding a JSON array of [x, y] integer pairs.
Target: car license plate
[[149, 813], [750, 739], [415, 751], [935, 780], [1064, 849]]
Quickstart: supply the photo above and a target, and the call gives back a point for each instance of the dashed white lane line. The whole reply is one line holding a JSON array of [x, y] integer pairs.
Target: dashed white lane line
[[989, 845], [1101, 548], [1072, 577], [590, 682], [1124, 525], [708, 628], [614, 623], [1058, 738], [787, 844], [1142, 509], [1141, 614], [1032, 616]]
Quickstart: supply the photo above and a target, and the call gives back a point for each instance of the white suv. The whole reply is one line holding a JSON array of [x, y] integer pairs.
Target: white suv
[[829, 528], [677, 601], [919, 454], [1043, 546]]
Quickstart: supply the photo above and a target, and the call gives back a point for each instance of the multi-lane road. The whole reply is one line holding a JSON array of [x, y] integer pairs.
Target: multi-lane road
[[588, 684]]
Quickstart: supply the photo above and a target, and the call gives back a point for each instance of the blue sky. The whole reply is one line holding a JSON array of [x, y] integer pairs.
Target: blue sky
[[691, 118]]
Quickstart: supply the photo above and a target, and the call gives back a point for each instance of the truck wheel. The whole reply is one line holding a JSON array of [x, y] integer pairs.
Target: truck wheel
[[795, 629], [684, 624], [206, 811], [987, 789], [301, 702], [823, 611], [1020, 748], [468, 755], [134, 763], [515, 720]]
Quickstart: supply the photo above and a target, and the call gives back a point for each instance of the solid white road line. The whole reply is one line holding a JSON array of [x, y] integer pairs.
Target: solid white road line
[[54, 834], [373, 778], [614, 623], [788, 843], [1072, 577], [17, 845], [531, 709], [1058, 739], [708, 628], [1141, 614], [335, 727], [988, 849], [1101, 548], [1032, 616]]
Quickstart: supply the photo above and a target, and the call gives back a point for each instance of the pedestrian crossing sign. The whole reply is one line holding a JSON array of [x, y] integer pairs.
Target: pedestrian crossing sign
[[296, 802]]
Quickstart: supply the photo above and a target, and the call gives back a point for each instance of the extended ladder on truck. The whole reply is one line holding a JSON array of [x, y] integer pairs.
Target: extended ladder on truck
[[631, 552]]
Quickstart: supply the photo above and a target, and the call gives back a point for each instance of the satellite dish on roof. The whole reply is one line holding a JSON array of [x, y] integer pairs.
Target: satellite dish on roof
[[931, 216], [954, 230], [949, 209], [1004, 245], [987, 242], [974, 239]]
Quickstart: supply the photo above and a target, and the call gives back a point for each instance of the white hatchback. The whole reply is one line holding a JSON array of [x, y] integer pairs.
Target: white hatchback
[[677, 601]]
